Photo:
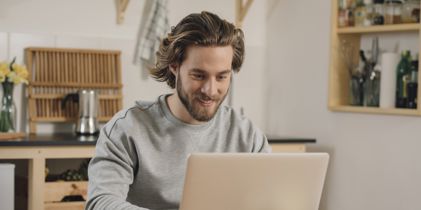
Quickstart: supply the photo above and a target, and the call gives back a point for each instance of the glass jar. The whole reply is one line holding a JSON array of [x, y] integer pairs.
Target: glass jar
[[356, 90], [378, 13], [393, 12], [372, 88], [411, 11]]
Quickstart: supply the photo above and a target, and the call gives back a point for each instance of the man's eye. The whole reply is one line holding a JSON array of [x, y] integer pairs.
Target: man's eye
[[222, 77], [198, 76]]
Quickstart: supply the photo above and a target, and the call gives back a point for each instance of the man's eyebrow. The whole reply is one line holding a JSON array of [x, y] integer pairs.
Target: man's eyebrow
[[203, 71], [225, 72]]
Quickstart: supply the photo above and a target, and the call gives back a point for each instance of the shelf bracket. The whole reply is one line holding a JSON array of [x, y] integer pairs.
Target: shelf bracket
[[241, 9], [121, 9]]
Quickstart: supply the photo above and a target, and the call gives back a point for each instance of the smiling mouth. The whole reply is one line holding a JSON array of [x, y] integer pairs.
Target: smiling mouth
[[206, 103]]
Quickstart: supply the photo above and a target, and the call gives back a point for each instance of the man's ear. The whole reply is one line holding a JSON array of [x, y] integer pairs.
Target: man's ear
[[173, 68]]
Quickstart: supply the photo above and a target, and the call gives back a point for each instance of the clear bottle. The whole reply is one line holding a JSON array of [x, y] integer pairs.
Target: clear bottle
[[411, 11]]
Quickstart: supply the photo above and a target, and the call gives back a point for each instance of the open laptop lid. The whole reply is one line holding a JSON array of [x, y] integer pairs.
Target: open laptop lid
[[250, 181]]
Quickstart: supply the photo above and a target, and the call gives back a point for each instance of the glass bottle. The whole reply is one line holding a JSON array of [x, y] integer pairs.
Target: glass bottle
[[360, 14], [393, 12], [412, 86], [402, 77]]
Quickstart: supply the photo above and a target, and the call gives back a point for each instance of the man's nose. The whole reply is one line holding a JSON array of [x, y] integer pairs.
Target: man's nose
[[210, 88]]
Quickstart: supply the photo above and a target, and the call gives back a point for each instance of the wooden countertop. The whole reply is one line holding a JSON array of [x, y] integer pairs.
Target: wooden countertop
[[69, 139]]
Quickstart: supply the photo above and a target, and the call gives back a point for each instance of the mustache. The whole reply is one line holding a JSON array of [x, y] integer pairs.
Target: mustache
[[205, 97]]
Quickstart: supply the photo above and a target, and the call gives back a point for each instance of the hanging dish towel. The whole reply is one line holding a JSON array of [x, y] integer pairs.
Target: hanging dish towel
[[153, 27]]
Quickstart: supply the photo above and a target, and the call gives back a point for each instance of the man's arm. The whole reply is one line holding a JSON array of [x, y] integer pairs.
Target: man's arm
[[111, 173], [260, 142]]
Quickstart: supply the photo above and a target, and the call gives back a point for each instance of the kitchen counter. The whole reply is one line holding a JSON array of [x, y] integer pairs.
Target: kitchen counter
[[39, 148], [61, 139], [68, 139]]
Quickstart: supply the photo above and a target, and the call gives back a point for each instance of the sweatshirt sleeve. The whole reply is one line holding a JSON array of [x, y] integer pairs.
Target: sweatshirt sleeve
[[261, 144], [111, 172]]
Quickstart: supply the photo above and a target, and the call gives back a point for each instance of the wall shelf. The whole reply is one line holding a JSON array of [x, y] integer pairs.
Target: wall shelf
[[338, 75], [374, 110], [378, 29]]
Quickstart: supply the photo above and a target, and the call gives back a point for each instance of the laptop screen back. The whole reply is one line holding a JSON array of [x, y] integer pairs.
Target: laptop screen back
[[250, 181]]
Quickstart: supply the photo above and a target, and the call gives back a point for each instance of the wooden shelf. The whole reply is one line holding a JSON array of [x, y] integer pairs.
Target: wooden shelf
[[382, 28], [11, 136], [375, 110]]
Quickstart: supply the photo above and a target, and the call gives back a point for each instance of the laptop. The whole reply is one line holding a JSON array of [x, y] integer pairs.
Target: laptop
[[250, 181]]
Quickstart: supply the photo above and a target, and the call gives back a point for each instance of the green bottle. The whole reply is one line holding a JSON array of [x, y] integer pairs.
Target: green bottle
[[402, 76]]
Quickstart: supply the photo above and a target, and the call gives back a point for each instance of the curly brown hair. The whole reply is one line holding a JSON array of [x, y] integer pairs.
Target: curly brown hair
[[201, 29]]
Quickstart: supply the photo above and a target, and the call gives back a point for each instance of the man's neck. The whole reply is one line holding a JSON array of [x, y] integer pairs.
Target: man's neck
[[178, 109]]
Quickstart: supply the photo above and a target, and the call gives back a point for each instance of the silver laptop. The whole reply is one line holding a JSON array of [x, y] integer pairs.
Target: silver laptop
[[244, 181]]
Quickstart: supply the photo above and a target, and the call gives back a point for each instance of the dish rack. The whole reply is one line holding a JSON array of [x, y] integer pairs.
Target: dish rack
[[56, 72]]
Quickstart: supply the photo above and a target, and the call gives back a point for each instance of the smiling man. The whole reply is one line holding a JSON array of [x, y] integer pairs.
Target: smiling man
[[140, 157]]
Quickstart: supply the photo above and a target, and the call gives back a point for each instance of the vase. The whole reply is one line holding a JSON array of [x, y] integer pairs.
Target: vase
[[8, 109]]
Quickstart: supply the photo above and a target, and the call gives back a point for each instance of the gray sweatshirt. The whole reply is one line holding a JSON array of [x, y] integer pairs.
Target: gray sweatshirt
[[141, 153]]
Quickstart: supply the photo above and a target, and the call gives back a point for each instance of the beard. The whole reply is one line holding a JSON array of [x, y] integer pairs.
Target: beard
[[192, 104]]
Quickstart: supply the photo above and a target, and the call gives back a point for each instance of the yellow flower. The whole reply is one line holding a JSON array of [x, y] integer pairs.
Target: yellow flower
[[2, 77], [13, 72], [4, 68], [15, 78], [20, 70]]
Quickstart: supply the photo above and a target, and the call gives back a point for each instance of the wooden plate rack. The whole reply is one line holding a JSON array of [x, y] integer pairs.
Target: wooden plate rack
[[55, 72]]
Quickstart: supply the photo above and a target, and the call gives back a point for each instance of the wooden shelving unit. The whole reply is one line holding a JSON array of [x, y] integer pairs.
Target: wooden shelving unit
[[338, 74], [55, 72]]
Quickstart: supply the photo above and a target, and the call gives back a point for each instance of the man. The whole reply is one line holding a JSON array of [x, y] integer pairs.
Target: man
[[141, 154]]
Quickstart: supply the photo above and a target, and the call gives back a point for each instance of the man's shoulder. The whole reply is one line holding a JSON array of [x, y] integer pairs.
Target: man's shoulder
[[141, 111], [233, 117]]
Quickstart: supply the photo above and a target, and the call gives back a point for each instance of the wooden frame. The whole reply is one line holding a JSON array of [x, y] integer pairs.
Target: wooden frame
[[37, 159]]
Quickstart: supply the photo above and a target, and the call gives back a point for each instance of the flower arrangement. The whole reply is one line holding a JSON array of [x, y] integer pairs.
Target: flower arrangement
[[13, 72], [10, 74]]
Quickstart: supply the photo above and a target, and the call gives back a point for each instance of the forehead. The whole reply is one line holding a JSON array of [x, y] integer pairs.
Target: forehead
[[212, 59]]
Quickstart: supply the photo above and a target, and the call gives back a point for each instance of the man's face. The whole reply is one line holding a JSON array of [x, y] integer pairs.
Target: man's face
[[203, 80]]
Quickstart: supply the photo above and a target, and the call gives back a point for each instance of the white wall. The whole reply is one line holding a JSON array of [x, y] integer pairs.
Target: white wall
[[92, 24], [374, 158]]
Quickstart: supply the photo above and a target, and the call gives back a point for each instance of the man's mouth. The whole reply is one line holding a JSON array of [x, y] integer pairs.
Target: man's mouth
[[206, 103]]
